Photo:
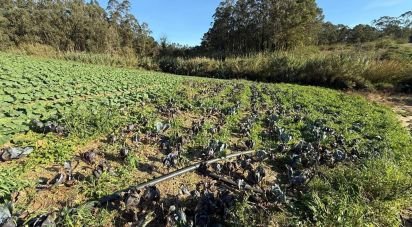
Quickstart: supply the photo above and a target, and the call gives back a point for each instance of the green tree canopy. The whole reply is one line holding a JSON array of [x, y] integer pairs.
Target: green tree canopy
[[245, 26], [75, 25]]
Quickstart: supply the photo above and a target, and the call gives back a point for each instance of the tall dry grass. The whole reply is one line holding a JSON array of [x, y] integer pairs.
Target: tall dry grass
[[374, 65]]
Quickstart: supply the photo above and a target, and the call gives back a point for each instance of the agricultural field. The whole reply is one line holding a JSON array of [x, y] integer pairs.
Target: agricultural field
[[78, 143]]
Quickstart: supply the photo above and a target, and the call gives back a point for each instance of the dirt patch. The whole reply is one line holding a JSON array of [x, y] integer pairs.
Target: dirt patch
[[399, 103]]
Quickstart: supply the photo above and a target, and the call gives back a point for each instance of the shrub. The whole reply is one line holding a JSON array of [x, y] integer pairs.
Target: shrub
[[385, 43], [284, 67], [192, 67], [35, 49], [345, 70], [385, 87], [125, 59], [148, 63], [386, 71], [168, 64], [405, 85], [398, 53], [5, 42], [340, 71]]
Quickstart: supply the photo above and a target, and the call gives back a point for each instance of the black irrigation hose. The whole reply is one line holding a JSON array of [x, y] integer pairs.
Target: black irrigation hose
[[231, 182], [117, 195]]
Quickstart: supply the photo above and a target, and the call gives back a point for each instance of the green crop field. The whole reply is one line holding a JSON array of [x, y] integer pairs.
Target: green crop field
[[323, 157]]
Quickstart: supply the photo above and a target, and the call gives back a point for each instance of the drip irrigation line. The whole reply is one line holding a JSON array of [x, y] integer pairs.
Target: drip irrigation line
[[231, 182], [117, 195]]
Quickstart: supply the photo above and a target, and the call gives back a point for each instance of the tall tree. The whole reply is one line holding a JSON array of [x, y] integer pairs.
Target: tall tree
[[363, 33], [74, 25], [220, 35], [389, 26], [245, 26]]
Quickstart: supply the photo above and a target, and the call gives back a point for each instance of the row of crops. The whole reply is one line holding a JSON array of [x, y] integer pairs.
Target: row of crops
[[33, 90], [77, 139]]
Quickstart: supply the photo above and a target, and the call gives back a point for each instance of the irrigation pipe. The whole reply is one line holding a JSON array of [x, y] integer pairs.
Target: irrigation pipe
[[117, 195], [231, 182]]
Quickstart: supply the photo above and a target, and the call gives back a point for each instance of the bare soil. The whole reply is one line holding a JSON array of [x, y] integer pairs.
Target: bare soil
[[399, 103]]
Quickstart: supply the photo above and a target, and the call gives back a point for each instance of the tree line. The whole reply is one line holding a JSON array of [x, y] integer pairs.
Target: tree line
[[242, 27], [239, 27], [74, 25], [245, 26], [390, 27]]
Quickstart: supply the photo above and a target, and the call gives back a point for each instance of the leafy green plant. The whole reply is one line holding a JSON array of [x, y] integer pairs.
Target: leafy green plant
[[10, 182]]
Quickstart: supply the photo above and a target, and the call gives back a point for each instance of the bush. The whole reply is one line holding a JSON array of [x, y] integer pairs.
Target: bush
[[398, 53], [405, 85], [124, 59], [285, 67], [386, 71], [345, 70], [147, 63], [5, 42], [340, 71], [385, 43], [168, 64], [35, 49], [192, 67], [385, 87]]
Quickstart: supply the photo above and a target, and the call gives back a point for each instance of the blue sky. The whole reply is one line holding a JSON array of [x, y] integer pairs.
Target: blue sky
[[185, 21]]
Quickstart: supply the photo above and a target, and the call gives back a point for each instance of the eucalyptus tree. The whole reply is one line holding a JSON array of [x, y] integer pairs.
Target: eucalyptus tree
[[246, 26], [74, 25]]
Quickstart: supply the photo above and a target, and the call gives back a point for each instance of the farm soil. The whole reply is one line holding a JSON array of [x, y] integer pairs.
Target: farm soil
[[401, 104]]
